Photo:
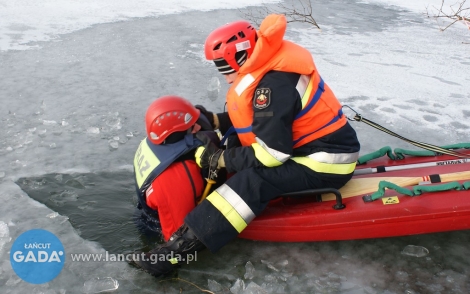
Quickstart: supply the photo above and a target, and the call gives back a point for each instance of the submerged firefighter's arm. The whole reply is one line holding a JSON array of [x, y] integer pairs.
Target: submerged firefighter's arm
[[275, 104]]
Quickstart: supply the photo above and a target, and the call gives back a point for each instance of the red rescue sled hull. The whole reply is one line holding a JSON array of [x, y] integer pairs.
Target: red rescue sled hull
[[294, 220]]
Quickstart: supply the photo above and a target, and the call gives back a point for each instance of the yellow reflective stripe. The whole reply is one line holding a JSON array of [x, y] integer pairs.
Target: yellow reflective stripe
[[264, 156], [173, 260], [198, 155], [145, 162], [329, 168], [308, 93], [237, 202], [227, 211], [232, 207]]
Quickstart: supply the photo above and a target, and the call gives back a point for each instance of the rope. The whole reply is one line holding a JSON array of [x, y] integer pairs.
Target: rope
[[399, 153], [429, 147]]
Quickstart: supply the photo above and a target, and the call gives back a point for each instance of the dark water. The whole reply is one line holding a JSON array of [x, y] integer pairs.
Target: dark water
[[100, 206]]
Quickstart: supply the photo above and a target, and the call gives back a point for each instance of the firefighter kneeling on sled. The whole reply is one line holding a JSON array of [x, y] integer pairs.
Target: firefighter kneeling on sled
[[293, 135]]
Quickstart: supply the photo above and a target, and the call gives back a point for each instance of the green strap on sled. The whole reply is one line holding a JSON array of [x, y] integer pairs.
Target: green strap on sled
[[376, 154], [399, 153], [417, 190], [466, 185], [388, 185]]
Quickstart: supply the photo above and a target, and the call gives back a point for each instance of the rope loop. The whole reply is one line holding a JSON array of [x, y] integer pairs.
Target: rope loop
[[357, 117]]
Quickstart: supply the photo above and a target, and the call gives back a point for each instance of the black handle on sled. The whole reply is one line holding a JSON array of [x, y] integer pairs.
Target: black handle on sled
[[317, 192]]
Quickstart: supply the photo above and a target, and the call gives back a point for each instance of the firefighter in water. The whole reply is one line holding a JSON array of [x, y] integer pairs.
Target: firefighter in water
[[169, 183], [292, 135]]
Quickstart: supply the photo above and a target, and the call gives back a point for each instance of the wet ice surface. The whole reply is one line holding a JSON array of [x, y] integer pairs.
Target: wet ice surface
[[416, 251], [24, 21], [100, 285], [73, 116]]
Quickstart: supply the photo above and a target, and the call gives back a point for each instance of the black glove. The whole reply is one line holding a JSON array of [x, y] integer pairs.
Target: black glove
[[208, 155], [208, 115]]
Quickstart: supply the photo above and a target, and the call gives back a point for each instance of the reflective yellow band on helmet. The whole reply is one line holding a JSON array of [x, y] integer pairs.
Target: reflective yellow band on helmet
[[145, 162], [198, 155], [232, 207], [329, 168]]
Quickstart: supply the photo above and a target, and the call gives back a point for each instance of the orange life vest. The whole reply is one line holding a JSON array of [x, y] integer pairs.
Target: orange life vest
[[321, 112]]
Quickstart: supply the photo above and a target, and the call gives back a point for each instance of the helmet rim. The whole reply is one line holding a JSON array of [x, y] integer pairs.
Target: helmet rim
[[167, 115], [225, 41]]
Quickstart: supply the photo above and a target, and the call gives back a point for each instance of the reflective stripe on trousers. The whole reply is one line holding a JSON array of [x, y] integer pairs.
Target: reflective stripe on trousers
[[232, 206], [330, 163]]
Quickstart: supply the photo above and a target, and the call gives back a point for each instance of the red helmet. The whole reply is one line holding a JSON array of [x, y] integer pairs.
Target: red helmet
[[229, 39], [167, 115]]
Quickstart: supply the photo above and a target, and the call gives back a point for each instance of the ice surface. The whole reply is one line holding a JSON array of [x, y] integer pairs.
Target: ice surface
[[213, 89], [214, 286], [254, 288], [75, 104], [269, 265], [250, 271], [238, 287], [22, 22], [4, 236], [100, 285], [416, 251]]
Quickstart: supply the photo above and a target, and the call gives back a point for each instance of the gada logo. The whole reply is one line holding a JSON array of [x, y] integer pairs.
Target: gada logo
[[37, 256]]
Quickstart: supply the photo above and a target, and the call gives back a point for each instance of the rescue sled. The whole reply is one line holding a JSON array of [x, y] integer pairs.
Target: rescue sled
[[385, 198]]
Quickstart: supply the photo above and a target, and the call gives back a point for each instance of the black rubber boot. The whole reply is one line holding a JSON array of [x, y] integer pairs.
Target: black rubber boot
[[180, 249]]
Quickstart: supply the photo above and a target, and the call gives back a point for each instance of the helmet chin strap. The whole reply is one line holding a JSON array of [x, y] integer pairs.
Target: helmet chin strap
[[187, 132]]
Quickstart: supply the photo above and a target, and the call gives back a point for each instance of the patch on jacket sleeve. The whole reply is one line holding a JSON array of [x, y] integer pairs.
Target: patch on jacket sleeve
[[262, 98]]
